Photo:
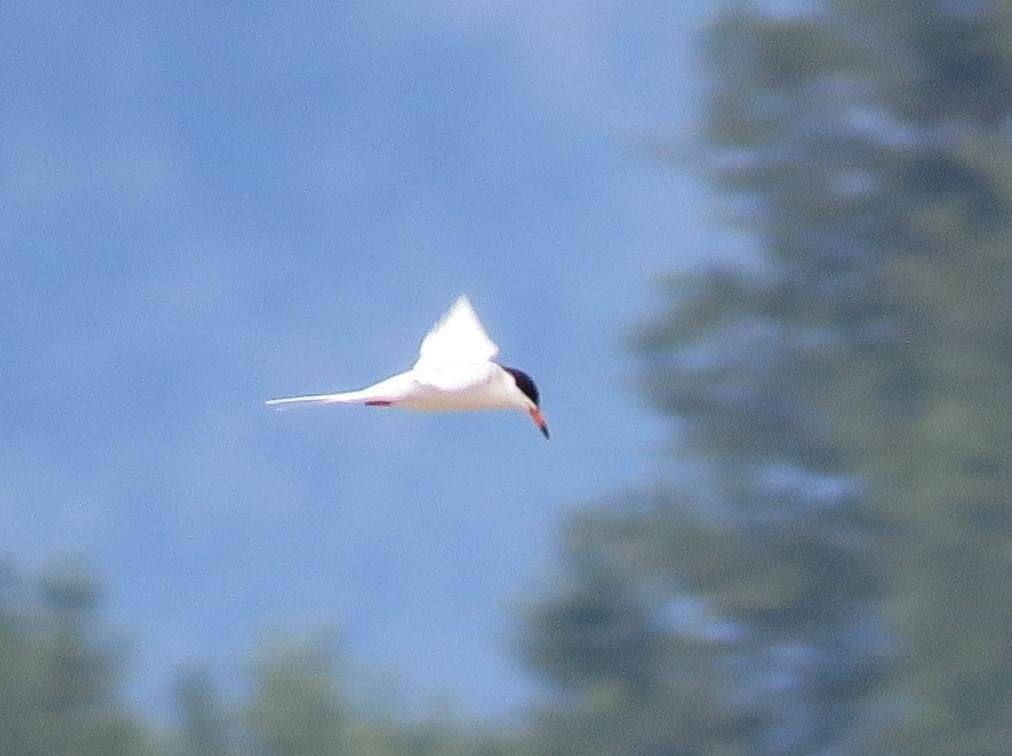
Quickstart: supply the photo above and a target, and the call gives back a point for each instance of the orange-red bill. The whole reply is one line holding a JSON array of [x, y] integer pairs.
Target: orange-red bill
[[539, 420]]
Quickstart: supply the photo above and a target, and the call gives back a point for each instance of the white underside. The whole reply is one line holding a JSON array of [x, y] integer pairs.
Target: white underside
[[456, 388], [454, 372]]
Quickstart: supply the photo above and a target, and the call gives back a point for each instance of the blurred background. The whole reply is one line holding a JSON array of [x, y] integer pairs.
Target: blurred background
[[756, 256]]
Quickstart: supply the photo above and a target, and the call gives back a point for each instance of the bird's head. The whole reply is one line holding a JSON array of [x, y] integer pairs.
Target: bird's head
[[529, 398]]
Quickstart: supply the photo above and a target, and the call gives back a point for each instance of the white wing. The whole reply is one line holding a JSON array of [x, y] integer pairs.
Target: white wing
[[457, 339]]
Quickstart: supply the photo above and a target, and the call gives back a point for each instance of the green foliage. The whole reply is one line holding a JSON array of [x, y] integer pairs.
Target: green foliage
[[296, 709], [838, 578], [60, 692], [203, 725], [58, 674]]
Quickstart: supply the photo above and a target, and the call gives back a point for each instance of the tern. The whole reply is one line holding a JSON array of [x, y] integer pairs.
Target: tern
[[455, 371]]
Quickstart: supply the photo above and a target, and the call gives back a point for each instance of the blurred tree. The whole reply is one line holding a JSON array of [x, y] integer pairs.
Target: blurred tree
[[296, 709], [204, 722], [838, 578], [60, 685], [59, 675]]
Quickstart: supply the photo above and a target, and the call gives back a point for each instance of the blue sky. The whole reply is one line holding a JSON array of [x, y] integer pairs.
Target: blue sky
[[204, 205]]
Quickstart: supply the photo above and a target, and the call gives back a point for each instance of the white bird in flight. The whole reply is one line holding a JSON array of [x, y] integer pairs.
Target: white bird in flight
[[455, 371]]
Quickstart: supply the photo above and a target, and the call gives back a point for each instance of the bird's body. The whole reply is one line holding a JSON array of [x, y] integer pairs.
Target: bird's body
[[454, 388], [455, 371]]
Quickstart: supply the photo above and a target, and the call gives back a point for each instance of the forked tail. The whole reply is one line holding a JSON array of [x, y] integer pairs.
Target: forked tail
[[347, 397]]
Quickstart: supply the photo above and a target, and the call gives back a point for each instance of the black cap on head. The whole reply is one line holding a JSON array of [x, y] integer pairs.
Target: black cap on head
[[524, 383]]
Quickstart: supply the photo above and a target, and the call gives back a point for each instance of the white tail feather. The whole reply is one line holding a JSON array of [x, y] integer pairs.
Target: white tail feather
[[344, 398]]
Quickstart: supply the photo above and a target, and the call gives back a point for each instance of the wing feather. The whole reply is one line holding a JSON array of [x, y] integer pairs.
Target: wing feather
[[457, 339]]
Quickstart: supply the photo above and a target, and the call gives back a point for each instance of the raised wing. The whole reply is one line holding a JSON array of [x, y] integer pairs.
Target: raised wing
[[457, 339]]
